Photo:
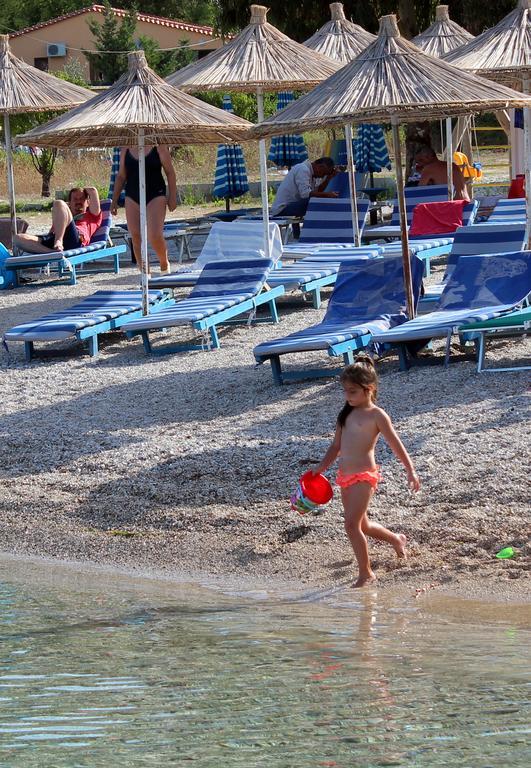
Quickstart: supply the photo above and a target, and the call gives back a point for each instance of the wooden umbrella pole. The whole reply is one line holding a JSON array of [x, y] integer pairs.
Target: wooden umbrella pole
[[352, 183], [406, 262], [10, 179], [263, 173], [527, 151], [143, 222], [449, 158]]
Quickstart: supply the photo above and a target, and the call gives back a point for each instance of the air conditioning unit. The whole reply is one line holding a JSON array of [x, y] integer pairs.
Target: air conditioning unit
[[56, 49]]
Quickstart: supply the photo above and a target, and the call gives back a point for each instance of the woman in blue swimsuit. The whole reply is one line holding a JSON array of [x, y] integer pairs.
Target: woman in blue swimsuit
[[157, 159]]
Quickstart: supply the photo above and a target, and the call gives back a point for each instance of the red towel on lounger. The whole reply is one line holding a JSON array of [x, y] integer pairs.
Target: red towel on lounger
[[437, 218]]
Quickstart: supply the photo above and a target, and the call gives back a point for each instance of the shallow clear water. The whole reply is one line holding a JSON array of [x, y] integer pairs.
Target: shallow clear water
[[101, 670]]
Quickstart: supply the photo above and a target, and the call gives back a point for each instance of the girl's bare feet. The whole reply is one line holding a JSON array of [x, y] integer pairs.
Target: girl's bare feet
[[400, 546], [364, 581]]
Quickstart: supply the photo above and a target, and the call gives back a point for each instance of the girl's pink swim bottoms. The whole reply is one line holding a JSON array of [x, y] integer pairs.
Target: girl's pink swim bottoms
[[371, 476]]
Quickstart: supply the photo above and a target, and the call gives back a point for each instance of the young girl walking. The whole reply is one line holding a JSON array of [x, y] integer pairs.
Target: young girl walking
[[359, 424]]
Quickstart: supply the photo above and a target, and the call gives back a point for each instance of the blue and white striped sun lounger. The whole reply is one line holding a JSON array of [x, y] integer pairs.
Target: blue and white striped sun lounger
[[103, 311], [436, 193], [477, 240], [66, 262], [223, 292], [318, 270], [368, 297], [506, 211], [327, 222], [226, 241], [480, 288]]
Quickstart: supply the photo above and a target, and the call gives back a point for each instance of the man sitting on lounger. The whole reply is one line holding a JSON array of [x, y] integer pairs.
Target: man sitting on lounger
[[73, 224], [294, 192], [435, 171]]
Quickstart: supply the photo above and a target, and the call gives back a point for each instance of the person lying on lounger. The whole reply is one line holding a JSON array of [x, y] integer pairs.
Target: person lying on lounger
[[73, 224], [435, 171]]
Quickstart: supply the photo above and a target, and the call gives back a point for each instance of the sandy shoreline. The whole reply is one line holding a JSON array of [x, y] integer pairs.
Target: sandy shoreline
[[185, 464]]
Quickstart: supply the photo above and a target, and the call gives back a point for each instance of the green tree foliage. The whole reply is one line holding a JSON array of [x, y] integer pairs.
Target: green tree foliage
[[109, 37], [165, 62]]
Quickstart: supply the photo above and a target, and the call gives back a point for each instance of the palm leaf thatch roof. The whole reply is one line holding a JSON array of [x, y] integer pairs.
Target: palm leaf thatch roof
[[443, 35], [340, 39], [502, 53], [139, 99], [24, 88], [260, 57], [392, 78]]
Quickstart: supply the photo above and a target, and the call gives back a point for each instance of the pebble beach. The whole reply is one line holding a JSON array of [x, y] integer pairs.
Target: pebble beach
[[183, 465]]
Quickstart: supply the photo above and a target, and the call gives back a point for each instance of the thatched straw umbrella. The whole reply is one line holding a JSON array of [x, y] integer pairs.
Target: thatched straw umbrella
[[25, 89], [392, 80], [340, 39], [503, 54], [443, 35], [140, 107], [259, 59]]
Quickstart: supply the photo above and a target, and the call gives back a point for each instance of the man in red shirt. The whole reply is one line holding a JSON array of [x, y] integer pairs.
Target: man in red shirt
[[73, 224]]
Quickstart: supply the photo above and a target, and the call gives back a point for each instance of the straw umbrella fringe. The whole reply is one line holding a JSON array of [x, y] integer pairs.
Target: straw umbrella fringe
[[139, 107], [392, 80], [340, 39], [260, 58], [26, 89], [443, 35]]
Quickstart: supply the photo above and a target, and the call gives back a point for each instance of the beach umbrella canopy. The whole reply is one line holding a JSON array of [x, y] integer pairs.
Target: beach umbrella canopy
[[370, 150], [501, 53], [259, 57], [392, 80], [230, 179], [140, 107], [290, 149], [443, 35], [25, 89], [340, 39]]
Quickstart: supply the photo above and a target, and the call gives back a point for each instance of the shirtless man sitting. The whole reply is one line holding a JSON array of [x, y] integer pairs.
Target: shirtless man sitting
[[73, 224], [435, 171]]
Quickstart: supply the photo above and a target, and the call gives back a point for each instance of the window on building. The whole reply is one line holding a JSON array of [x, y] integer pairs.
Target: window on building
[[41, 63]]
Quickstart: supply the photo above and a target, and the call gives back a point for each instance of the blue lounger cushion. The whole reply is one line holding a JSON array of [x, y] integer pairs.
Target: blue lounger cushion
[[480, 288], [368, 297], [221, 287]]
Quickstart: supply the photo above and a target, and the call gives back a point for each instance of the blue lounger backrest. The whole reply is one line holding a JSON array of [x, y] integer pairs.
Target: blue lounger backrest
[[488, 281], [485, 239], [340, 183], [509, 210], [240, 277], [369, 288], [436, 193], [329, 220], [101, 235]]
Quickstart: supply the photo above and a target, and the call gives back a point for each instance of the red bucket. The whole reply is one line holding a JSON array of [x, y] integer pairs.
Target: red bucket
[[312, 491]]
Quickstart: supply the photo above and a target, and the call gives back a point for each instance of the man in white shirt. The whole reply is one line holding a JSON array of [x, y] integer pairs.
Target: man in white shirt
[[300, 184]]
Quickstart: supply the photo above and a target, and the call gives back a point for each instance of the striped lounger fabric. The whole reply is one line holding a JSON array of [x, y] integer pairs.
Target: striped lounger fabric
[[327, 221], [506, 211], [101, 312], [226, 241], [368, 297], [67, 262], [318, 271], [224, 291], [477, 240], [480, 288]]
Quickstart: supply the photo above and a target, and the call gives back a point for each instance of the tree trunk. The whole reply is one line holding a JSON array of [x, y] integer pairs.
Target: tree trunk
[[46, 181]]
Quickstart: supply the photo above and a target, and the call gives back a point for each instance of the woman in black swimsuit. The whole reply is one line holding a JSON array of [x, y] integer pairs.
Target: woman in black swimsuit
[[157, 159]]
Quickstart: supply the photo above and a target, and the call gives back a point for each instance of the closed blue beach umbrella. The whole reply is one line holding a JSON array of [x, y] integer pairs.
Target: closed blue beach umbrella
[[370, 150], [114, 173], [289, 149], [230, 180]]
